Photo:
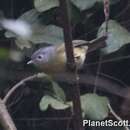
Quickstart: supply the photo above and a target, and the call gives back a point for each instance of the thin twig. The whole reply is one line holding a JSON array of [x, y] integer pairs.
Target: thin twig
[[123, 11], [93, 44], [116, 116], [13, 89], [97, 74], [109, 60], [115, 79], [106, 13]]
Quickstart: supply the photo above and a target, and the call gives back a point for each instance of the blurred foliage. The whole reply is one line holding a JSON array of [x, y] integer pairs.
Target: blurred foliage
[[47, 101], [87, 21], [118, 36], [43, 5], [41, 33], [4, 53], [94, 107]]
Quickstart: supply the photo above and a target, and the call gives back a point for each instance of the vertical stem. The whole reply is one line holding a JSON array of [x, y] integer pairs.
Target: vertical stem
[[66, 23], [106, 12], [64, 4]]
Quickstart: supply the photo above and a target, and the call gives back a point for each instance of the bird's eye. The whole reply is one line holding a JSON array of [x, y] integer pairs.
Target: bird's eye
[[40, 57]]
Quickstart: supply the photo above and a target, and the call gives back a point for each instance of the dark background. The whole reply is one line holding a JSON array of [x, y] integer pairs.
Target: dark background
[[24, 105]]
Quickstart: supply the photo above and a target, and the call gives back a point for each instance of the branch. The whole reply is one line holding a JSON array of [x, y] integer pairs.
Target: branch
[[65, 13], [5, 118], [11, 91], [94, 44], [106, 13], [64, 4]]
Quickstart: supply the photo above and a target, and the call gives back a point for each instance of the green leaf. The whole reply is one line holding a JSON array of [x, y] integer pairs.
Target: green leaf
[[31, 16], [54, 89], [47, 101], [83, 4], [118, 36], [9, 34], [41, 33], [4, 53], [87, 4], [43, 5], [49, 34], [58, 92], [22, 43], [94, 107], [54, 95]]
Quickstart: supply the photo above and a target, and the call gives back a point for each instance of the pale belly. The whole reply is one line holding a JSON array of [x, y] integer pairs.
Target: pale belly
[[53, 68]]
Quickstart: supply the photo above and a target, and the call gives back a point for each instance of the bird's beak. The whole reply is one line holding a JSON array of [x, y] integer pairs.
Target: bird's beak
[[30, 62]]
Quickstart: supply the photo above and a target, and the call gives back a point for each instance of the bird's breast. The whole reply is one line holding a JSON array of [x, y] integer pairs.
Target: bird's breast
[[57, 65]]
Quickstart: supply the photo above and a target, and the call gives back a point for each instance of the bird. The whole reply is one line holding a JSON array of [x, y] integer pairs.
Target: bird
[[52, 59]]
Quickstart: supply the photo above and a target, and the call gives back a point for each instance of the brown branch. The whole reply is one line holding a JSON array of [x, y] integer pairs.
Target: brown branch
[[91, 44], [65, 13], [64, 5], [106, 13], [11, 91], [94, 44], [5, 118]]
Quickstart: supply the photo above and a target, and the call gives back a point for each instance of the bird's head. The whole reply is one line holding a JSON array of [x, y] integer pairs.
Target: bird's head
[[42, 56]]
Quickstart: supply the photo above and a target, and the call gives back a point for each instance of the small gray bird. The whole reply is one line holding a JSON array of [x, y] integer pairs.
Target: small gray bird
[[52, 59]]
